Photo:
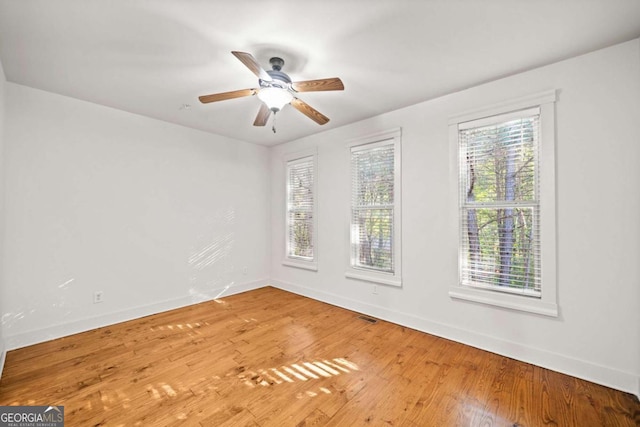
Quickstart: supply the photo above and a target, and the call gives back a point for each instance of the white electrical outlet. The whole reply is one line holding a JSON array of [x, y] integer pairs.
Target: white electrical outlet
[[375, 290], [98, 297]]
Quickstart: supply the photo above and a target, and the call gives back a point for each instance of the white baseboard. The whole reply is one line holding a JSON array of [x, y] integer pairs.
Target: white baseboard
[[598, 374], [24, 339]]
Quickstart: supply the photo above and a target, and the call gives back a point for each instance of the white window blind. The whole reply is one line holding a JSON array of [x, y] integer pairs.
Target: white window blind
[[372, 206], [500, 203], [300, 209]]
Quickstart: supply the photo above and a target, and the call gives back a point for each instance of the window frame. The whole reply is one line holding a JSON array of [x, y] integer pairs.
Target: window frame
[[546, 304], [290, 159], [391, 137]]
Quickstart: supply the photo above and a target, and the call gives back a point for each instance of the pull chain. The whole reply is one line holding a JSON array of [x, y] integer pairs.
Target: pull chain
[[273, 127]]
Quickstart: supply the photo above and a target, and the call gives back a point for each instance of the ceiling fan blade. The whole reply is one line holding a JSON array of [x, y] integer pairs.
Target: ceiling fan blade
[[263, 115], [250, 62], [333, 83], [205, 99], [309, 111]]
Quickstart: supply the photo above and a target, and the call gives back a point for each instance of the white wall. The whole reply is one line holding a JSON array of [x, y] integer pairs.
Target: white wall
[[597, 335], [2, 103], [153, 214]]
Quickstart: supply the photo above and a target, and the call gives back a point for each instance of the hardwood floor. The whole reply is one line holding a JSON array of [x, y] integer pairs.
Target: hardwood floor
[[272, 358]]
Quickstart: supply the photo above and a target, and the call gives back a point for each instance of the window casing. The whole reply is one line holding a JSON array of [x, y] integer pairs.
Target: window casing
[[301, 221], [374, 214], [506, 205]]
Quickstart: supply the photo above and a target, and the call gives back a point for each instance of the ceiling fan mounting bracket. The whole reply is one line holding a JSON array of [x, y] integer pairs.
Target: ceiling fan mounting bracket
[[276, 63]]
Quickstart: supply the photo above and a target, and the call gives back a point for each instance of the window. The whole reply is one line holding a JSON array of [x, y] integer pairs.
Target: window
[[374, 215], [499, 205], [506, 192], [301, 211]]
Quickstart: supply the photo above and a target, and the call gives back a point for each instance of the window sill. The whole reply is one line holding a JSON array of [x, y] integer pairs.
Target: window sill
[[301, 264], [514, 302], [375, 278]]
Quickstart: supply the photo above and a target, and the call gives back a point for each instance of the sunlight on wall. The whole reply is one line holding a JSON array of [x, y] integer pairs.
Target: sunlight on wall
[[53, 298], [211, 260]]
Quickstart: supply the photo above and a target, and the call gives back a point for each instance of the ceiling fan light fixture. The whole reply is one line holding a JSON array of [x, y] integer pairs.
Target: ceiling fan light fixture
[[275, 98]]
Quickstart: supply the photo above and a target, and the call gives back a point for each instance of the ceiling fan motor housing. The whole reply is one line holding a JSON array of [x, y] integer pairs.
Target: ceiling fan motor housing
[[279, 79]]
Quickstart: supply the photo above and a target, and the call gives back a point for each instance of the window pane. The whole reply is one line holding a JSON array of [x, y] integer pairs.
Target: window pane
[[373, 176], [301, 186], [501, 248], [372, 238], [500, 161], [301, 234]]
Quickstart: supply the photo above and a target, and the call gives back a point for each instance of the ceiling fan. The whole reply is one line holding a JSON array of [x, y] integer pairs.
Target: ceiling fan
[[275, 90]]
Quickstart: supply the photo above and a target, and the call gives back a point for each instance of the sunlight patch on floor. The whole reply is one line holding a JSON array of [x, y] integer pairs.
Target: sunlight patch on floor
[[169, 390], [303, 371]]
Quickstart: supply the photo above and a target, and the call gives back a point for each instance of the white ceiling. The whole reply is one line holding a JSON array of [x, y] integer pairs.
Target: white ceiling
[[153, 57]]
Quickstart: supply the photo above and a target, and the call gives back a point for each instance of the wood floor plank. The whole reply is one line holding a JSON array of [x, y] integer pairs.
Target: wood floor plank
[[272, 358]]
